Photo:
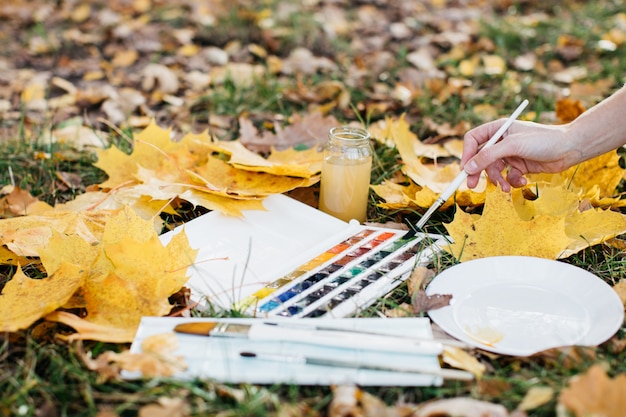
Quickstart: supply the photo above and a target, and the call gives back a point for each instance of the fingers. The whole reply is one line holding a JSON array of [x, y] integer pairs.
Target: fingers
[[494, 172], [483, 160], [476, 137], [515, 177]]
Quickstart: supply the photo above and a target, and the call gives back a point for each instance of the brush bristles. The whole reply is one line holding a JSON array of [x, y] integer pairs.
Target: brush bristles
[[199, 328]]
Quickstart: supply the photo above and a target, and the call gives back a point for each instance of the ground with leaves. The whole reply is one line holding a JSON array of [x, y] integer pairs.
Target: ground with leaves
[[81, 82]]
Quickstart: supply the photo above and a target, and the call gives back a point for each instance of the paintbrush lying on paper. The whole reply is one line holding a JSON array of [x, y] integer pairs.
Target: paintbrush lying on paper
[[456, 183], [309, 360], [329, 338], [291, 323]]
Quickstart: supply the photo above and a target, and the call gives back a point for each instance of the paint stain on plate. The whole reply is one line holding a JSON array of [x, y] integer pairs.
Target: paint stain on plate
[[484, 334]]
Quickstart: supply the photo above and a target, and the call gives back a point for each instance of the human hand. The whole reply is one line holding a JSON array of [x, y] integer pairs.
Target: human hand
[[526, 147]]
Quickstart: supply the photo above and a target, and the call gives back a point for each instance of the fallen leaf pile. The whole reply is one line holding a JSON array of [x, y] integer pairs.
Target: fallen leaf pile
[[114, 270], [218, 175]]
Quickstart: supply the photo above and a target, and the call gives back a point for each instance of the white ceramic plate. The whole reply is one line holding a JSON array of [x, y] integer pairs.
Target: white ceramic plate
[[517, 305]]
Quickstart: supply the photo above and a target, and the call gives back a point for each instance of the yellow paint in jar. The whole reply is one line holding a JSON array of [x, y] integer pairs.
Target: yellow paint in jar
[[346, 172]]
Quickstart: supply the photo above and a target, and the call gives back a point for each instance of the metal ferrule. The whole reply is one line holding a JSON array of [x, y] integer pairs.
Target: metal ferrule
[[231, 330]]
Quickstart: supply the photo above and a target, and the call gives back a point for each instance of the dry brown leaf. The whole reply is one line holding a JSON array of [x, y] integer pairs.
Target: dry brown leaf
[[300, 409], [166, 407], [155, 360], [595, 394], [461, 407], [568, 109], [620, 289], [445, 130], [536, 397], [569, 47], [310, 130], [459, 358], [422, 303], [157, 76], [351, 401], [419, 279], [345, 402], [106, 411], [568, 357], [493, 387], [20, 202]]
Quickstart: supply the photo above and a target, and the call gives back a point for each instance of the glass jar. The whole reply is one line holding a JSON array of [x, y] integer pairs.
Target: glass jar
[[346, 172]]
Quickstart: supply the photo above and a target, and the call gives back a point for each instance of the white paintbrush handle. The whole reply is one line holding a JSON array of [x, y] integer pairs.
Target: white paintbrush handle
[[347, 340], [460, 179]]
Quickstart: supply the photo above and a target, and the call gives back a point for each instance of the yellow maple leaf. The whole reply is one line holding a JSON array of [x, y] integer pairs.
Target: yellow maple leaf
[[26, 235], [123, 275], [118, 165], [433, 178], [591, 227], [396, 196], [25, 300], [553, 200], [224, 179], [154, 151], [64, 248], [585, 228], [8, 257], [501, 231], [595, 180], [195, 194], [225, 205], [126, 223], [550, 226], [132, 275], [288, 162]]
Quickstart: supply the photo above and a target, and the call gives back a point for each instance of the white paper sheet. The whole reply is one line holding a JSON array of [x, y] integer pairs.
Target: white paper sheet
[[239, 255], [219, 359]]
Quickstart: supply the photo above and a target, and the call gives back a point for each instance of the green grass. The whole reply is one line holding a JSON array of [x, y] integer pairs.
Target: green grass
[[40, 374]]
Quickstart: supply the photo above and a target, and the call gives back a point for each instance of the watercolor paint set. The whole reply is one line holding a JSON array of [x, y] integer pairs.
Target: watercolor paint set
[[293, 260]]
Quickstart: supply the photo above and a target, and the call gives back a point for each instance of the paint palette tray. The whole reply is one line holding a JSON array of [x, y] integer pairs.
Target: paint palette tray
[[347, 277], [295, 261]]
